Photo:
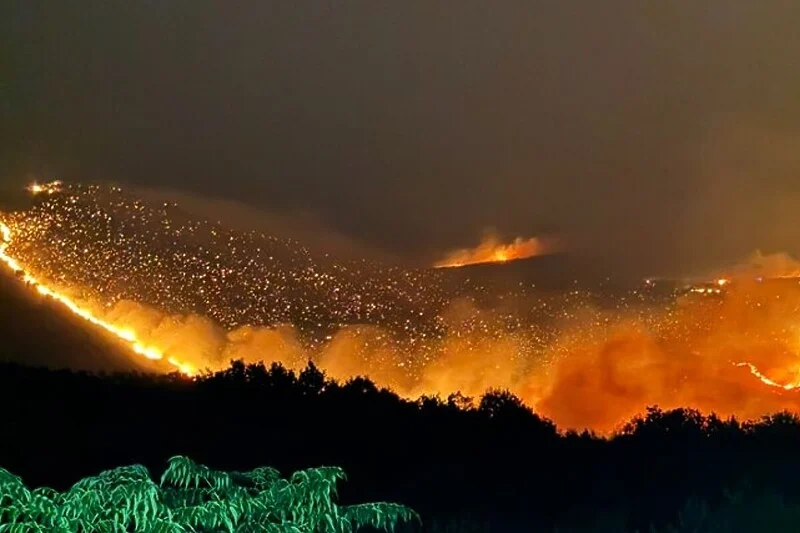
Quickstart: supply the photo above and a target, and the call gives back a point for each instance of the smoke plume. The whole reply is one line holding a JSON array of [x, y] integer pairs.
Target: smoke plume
[[602, 368], [492, 250]]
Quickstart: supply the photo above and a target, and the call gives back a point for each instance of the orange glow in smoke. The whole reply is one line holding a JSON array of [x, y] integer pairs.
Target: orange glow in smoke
[[51, 187], [123, 333], [491, 250], [734, 355], [730, 346]]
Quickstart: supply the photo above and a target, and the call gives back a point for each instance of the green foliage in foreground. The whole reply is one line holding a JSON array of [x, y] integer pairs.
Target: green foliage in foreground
[[192, 498]]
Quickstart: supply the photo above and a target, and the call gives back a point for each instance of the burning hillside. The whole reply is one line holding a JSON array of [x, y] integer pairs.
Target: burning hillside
[[197, 294], [492, 250]]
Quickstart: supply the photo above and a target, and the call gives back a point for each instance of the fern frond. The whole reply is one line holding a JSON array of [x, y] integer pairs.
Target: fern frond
[[184, 473], [12, 489], [261, 478], [22, 527], [379, 515], [191, 498]]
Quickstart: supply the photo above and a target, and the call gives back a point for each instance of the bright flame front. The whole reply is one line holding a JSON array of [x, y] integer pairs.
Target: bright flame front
[[124, 334], [590, 367]]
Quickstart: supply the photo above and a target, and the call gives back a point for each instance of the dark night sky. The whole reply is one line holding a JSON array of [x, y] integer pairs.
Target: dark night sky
[[659, 135]]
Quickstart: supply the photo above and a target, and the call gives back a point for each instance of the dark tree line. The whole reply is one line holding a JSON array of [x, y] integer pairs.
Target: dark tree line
[[463, 464]]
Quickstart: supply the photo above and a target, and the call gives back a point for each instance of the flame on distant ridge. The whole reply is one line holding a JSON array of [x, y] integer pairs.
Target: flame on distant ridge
[[492, 250]]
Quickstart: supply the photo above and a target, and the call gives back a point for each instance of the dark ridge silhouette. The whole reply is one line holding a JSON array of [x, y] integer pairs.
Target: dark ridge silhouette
[[461, 463], [39, 331], [558, 271], [553, 271]]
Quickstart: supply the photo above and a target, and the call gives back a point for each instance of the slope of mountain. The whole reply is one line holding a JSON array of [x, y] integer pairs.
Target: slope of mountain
[[40, 332]]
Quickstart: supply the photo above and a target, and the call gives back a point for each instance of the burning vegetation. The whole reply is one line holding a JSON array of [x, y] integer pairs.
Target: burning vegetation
[[492, 250], [197, 294]]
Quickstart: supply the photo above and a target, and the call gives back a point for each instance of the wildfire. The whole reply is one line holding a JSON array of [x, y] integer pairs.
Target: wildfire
[[764, 379], [491, 250], [126, 334], [172, 282], [51, 187]]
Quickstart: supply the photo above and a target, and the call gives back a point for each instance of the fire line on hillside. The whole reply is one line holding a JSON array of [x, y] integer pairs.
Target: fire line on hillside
[[197, 294]]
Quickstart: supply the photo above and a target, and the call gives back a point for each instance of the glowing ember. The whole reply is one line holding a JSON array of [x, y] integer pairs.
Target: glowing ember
[[491, 250], [167, 282], [122, 333], [45, 188]]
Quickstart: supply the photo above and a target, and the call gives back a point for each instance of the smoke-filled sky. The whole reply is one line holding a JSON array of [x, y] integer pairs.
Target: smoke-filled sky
[[660, 136]]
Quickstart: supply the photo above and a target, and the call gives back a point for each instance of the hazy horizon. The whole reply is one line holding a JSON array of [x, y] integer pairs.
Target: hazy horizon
[[661, 139]]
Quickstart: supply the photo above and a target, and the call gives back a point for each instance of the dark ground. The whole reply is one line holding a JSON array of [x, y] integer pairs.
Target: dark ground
[[38, 331]]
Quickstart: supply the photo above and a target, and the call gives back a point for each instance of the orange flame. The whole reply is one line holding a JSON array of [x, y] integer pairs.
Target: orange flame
[[491, 250], [51, 187], [764, 379], [738, 354], [125, 334]]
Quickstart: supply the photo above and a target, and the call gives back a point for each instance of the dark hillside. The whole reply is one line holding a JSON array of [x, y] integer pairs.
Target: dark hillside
[[38, 331]]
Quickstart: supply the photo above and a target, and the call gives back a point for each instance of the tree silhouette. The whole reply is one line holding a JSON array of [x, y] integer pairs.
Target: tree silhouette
[[311, 380], [491, 464]]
